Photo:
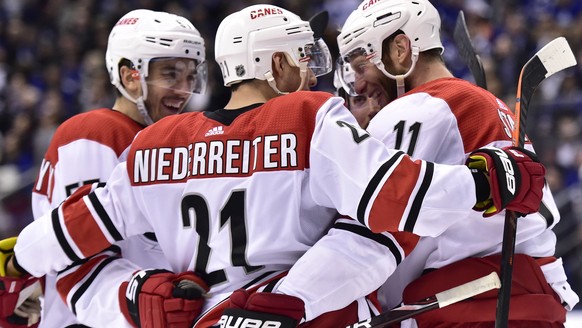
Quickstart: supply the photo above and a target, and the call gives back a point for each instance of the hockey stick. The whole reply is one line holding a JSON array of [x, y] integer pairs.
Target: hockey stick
[[439, 300], [553, 57], [467, 51]]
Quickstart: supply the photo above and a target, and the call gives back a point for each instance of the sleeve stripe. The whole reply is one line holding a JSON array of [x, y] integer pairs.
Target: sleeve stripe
[[104, 217], [61, 236], [417, 203], [83, 288], [373, 185], [271, 285], [113, 250], [546, 214], [377, 237], [257, 279]]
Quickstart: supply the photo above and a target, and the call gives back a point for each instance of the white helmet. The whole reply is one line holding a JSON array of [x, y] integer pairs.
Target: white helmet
[[142, 35], [247, 39], [367, 27]]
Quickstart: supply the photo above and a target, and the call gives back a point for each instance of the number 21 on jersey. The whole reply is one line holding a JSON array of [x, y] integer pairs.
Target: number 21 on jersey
[[231, 214]]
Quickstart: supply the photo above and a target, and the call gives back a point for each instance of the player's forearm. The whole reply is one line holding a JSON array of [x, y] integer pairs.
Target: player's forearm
[[331, 275], [38, 250], [96, 301]]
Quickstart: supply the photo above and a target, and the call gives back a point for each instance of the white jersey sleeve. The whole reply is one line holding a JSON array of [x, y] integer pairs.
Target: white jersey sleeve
[[112, 212], [92, 287], [394, 192], [348, 263]]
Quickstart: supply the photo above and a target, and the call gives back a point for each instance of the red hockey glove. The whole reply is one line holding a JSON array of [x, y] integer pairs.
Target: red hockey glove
[[160, 298], [515, 178], [262, 310], [14, 312], [27, 315]]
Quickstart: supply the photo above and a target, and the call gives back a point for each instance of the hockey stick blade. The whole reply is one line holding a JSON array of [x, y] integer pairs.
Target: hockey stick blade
[[552, 58], [439, 300], [467, 51]]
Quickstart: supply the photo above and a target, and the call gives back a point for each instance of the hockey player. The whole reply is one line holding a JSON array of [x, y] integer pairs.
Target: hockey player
[[395, 50], [240, 194], [156, 61], [363, 107]]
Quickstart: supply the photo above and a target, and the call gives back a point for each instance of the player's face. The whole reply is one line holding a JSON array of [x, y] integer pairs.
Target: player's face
[[371, 82], [363, 108], [170, 85]]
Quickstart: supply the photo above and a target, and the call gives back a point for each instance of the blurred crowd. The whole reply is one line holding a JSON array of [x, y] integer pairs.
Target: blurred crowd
[[52, 67]]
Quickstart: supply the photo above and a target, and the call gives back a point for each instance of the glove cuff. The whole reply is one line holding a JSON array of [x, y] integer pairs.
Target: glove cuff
[[504, 175], [18, 267], [482, 187], [123, 304], [133, 290]]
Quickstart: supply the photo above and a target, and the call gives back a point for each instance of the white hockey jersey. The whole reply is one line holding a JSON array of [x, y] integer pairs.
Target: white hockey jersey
[[443, 121], [84, 150], [236, 195]]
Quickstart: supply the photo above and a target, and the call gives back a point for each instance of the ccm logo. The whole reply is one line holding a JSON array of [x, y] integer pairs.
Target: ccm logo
[[226, 322], [508, 167]]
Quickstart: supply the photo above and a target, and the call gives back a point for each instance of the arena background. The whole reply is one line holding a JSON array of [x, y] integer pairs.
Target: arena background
[[52, 67]]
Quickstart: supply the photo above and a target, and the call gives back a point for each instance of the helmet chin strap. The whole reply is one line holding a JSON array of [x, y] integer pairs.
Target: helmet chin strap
[[140, 102], [302, 73], [400, 78], [141, 108]]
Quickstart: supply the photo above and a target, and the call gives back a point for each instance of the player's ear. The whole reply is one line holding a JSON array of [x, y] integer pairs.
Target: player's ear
[[401, 45], [278, 64]]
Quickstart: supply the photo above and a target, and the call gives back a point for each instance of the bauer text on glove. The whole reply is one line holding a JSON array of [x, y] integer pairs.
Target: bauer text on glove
[[507, 178], [262, 310]]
